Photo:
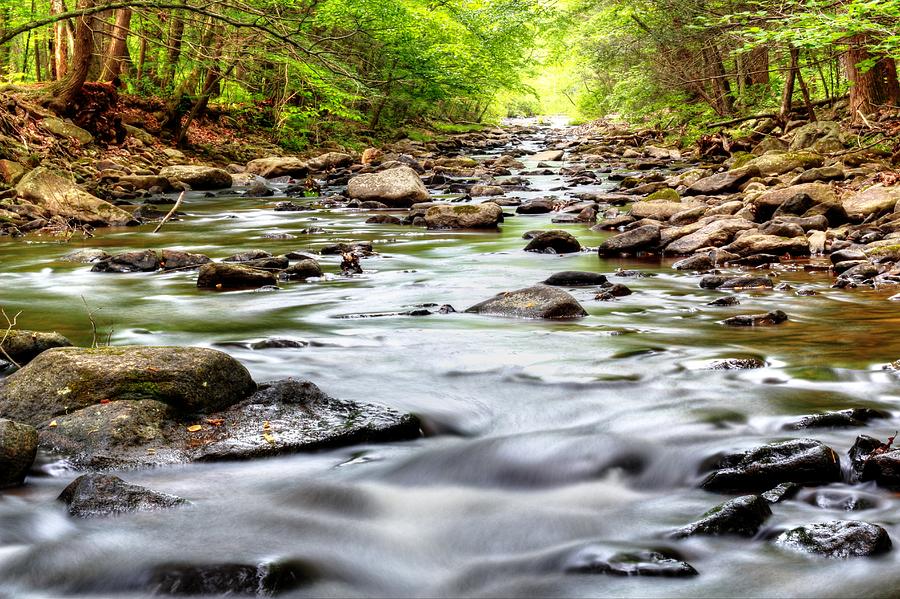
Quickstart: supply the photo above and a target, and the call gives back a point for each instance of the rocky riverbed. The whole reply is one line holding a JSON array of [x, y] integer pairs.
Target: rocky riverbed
[[527, 361]]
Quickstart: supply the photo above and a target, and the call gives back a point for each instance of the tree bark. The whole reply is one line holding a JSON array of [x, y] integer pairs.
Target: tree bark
[[723, 102], [4, 48], [758, 66], [63, 92], [787, 92], [117, 53], [61, 40], [166, 72], [869, 87]]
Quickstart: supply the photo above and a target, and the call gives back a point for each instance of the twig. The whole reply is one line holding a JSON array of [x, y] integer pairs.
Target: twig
[[93, 322], [9, 327], [865, 120], [169, 215]]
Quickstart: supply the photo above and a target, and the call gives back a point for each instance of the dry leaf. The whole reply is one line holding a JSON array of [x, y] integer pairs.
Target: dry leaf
[[194, 428], [269, 438], [53, 424]]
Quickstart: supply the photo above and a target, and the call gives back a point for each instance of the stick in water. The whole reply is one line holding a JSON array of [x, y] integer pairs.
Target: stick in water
[[169, 215]]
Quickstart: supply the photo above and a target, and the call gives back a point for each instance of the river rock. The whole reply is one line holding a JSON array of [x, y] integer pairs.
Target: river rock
[[759, 469], [713, 234], [739, 283], [56, 194], [548, 156], [575, 278], [821, 136], [303, 269], [540, 206], [229, 579], [597, 560], [268, 263], [837, 539], [825, 173], [540, 301], [661, 210], [247, 256], [749, 244], [467, 216], [778, 163], [61, 380], [23, 346], [84, 256], [178, 260], [397, 187], [18, 447], [877, 465], [697, 263], [554, 242], [851, 417], [141, 261], [768, 203], [725, 182], [274, 167], [739, 516], [93, 495], [225, 276], [329, 161], [636, 240], [199, 178], [756, 320], [477, 191], [876, 200], [61, 128]]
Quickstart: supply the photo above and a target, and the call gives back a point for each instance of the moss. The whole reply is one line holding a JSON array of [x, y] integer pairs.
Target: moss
[[883, 250], [467, 209], [665, 194], [741, 159]]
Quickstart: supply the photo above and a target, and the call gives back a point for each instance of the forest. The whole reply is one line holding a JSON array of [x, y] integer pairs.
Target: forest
[[449, 298]]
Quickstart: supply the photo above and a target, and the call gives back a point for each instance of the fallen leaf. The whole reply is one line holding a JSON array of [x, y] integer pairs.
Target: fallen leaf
[[194, 428], [104, 401], [53, 424], [215, 421], [269, 438]]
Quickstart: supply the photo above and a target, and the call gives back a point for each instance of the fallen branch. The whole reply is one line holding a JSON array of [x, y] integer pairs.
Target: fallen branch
[[771, 115], [171, 212], [10, 324]]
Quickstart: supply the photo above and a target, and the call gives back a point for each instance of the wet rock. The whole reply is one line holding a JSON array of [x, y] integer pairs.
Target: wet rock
[[723, 182], [554, 242], [84, 256], [736, 283], [845, 500], [725, 301], [698, 263], [396, 187], [383, 219], [18, 447], [782, 492], [863, 448], [747, 245], [837, 539], [477, 191], [360, 248], [714, 234], [756, 320], [229, 579], [191, 379], [92, 495], [269, 263], [851, 417], [847, 255], [641, 239], [540, 301], [612, 292], [274, 167], [229, 276], [548, 156], [804, 461], [880, 464], [23, 346], [288, 206], [597, 560], [575, 278], [739, 516], [199, 178], [248, 256], [178, 260], [56, 194], [737, 364], [713, 281], [536, 207], [304, 269], [278, 344], [329, 161], [142, 261], [467, 216]]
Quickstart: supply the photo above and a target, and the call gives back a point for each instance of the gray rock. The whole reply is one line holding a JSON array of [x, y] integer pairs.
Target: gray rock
[[725, 182], [141, 261], [749, 244], [698, 263], [303, 269], [876, 200], [800, 461], [540, 301], [851, 417], [228, 276], [554, 242], [591, 560], [84, 256], [756, 320], [714, 234], [18, 447], [178, 260], [200, 178], [636, 240], [56, 194], [396, 187], [740, 516], [837, 539], [575, 278], [23, 346], [467, 216], [92, 495]]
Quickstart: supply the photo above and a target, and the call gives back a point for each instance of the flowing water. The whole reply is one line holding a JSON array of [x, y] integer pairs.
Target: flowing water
[[546, 439]]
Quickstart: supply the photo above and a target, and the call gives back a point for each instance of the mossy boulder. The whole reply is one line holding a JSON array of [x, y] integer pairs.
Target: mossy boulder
[[200, 178], [665, 194], [24, 346], [18, 446], [540, 301], [55, 194], [778, 163], [62, 380], [60, 128], [466, 216]]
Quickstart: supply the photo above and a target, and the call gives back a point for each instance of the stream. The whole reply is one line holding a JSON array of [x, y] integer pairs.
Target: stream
[[545, 439]]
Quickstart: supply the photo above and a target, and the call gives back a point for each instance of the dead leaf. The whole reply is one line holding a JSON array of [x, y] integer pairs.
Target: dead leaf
[[194, 428]]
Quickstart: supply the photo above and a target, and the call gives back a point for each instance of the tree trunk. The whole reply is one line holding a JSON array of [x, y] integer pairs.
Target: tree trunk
[[758, 66], [176, 33], [787, 92], [117, 53], [869, 87], [723, 102], [63, 92], [795, 57], [4, 48], [61, 40]]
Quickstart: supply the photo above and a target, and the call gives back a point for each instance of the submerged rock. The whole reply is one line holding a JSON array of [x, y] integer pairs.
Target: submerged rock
[[739, 516], [575, 278], [232, 276], [229, 579], [850, 417], [756, 320], [540, 301], [628, 563], [142, 261], [92, 495], [800, 461], [18, 447], [554, 242], [304, 269], [837, 539], [63, 380], [24, 346]]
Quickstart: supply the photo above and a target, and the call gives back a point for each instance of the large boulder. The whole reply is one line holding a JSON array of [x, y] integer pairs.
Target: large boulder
[[466, 216], [636, 240], [778, 163], [277, 166], [555, 241], [764, 467], [661, 210], [24, 346], [57, 195], [397, 187], [714, 234], [329, 161], [821, 136], [61, 128], [95, 494], [767, 203], [876, 200], [227, 276], [540, 301], [200, 178], [723, 182], [62, 380], [747, 245], [739, 516], [18, 447], [837, 539]]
